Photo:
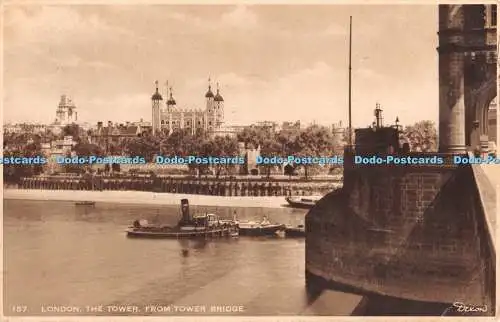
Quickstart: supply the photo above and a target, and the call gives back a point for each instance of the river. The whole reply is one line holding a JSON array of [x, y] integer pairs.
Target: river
[[58, 255]]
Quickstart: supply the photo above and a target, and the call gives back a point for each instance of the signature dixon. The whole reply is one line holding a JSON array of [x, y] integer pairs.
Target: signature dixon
[[466, 308]]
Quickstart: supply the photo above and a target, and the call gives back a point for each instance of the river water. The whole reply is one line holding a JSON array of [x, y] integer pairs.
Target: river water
[[57, 254]]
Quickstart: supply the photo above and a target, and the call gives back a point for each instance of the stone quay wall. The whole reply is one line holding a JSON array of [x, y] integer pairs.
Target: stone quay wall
[[414, 232], [222, 187]]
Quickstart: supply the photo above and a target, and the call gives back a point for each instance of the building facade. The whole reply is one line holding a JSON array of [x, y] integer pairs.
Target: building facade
[[168, 117], [110, 136], [66, 112], [54, 149]]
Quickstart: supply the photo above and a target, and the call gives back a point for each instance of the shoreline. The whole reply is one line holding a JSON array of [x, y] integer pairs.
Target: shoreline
[[142, 197]]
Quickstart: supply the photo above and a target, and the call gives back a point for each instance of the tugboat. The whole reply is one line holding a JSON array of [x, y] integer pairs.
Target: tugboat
[[303, 202], [205, 225], [263, 228]]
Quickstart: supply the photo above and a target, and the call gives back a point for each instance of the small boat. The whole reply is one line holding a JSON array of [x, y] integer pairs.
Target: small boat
[[204, 225], [85, 203], [303, 202], [263, 228], [299, 231]]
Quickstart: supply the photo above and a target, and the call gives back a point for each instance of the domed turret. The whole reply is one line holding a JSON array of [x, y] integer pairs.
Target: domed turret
[[218, 96], [171, 100], [156, 96], [209, 93]]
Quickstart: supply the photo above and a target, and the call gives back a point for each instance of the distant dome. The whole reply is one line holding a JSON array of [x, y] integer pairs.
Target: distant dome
[[209, 93], [171, 100], [218, 97], [156, 96]]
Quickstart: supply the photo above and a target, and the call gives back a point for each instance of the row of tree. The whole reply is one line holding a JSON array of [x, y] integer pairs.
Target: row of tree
[[313, 141]]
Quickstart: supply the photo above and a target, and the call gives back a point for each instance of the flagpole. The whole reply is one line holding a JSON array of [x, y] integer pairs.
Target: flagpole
[[350, 76]]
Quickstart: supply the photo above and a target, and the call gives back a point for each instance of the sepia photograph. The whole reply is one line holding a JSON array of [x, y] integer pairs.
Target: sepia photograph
[[249, 160]]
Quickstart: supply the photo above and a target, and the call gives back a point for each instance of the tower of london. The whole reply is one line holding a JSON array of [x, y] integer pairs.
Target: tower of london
[[167, 116]]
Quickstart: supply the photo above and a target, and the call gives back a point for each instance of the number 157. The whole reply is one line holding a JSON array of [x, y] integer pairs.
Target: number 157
[[19, 308]]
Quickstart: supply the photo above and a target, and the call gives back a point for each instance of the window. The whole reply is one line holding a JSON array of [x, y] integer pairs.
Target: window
[[209, 123], [188, 123], [475, 17], [493, 15]]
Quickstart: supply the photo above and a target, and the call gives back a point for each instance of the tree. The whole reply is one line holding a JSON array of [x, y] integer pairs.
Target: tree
[[14, 172], [313, 141], [224, 146], [422, 136], [72, 130], [270, 147], [253, 136], [87, 149], [145, 146], [175, 143], [286, 139]]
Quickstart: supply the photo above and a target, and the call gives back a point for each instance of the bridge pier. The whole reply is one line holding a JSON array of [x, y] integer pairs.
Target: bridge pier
[[451, 79]]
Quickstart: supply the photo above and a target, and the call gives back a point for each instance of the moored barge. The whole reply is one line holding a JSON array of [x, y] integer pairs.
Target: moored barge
[[263, 228], [298, 231], [85, 203]]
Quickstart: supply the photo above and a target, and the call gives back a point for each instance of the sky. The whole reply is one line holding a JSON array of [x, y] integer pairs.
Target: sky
[[273, 62]]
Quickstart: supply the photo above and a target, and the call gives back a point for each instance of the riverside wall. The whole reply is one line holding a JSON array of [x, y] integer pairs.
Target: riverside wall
[[412, 232], [214, 187]]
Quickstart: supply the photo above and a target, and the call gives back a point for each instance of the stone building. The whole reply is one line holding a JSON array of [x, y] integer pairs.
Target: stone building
[[250, 154], [66, 112], [113, 134], [288, 126], [167, 116], [54, 149], [338, 131]]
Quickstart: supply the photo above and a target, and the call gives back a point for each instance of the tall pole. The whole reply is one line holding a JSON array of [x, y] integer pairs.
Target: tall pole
[[350, 68]]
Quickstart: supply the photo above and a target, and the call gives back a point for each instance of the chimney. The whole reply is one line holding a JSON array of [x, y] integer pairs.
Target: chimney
[[99, 125]]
